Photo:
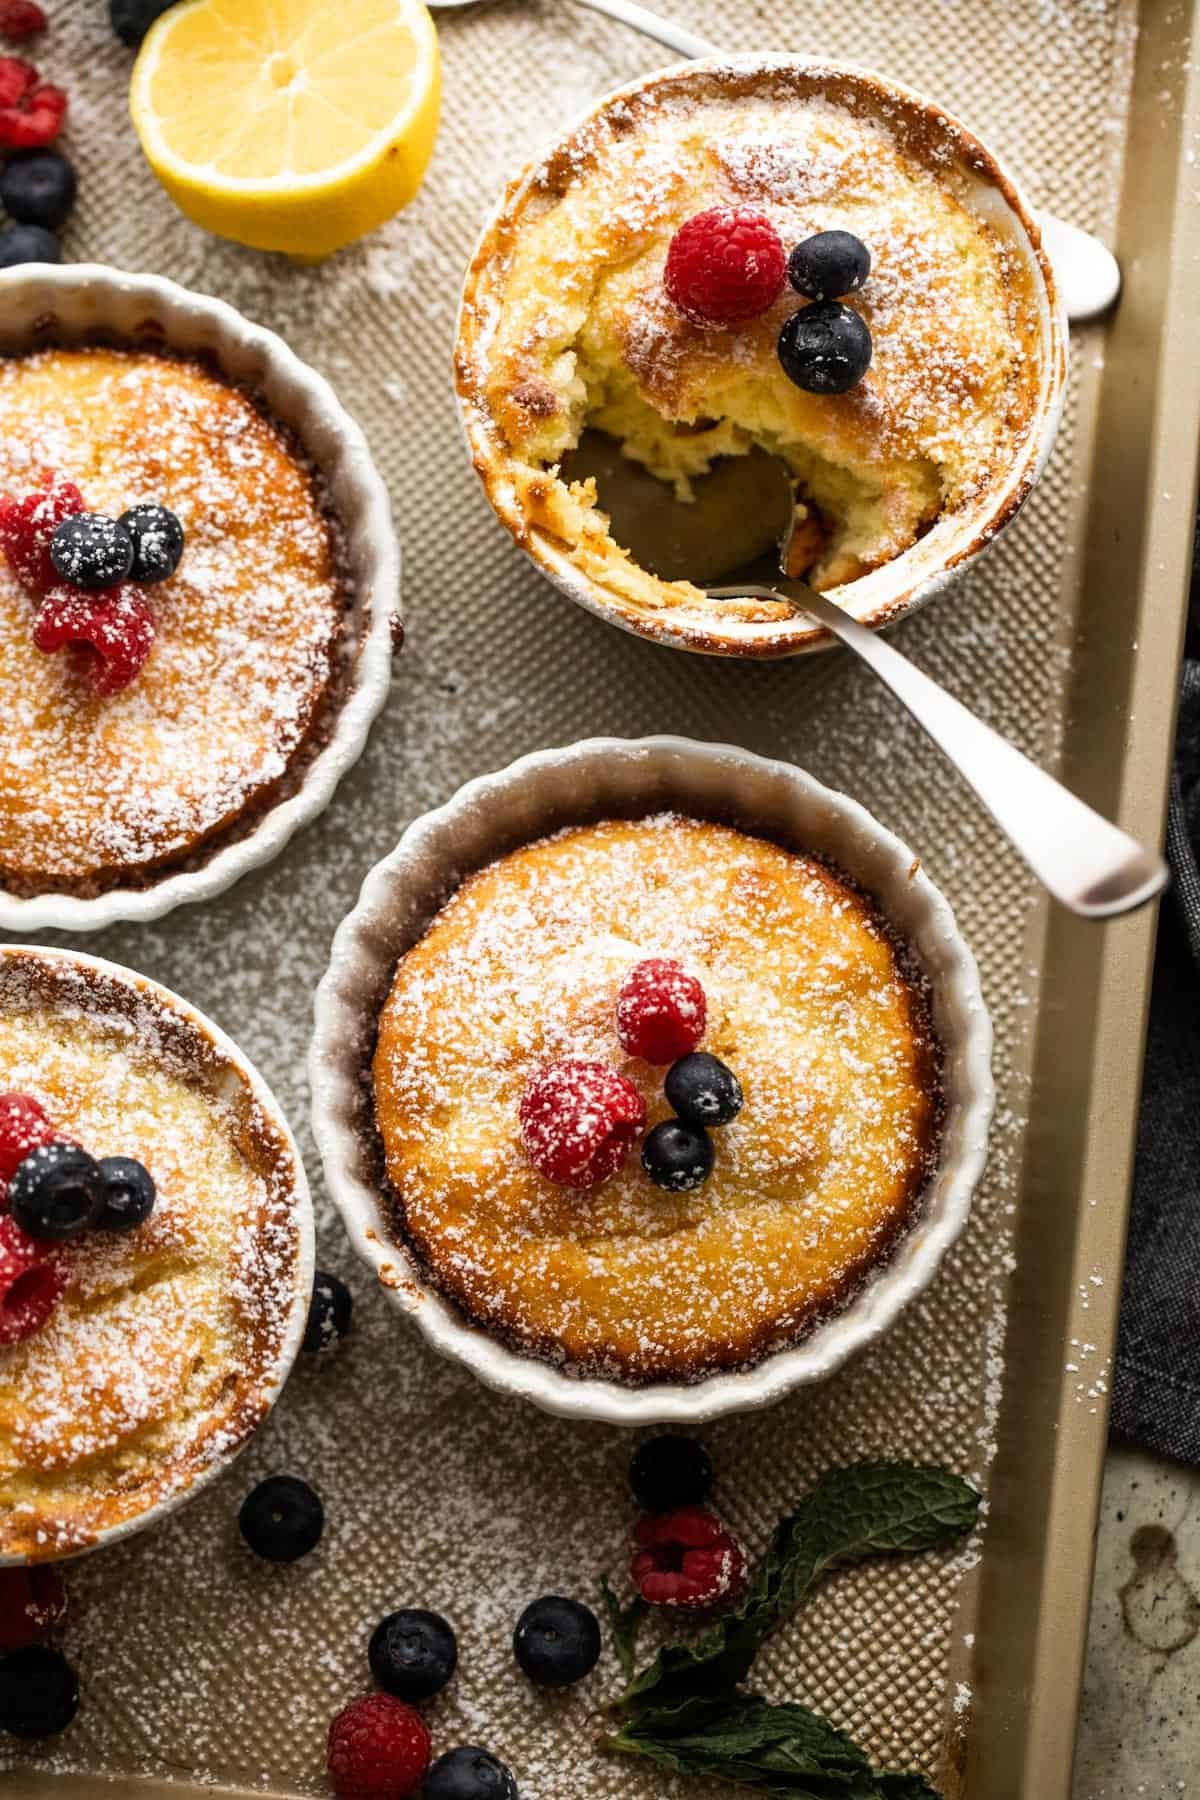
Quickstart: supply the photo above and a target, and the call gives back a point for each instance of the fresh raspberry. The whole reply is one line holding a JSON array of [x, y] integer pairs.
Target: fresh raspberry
[[661, 1010], [725, 266], [378, 1750], [32, 1278], [34, 119], [20, 19], [579, 1120], [27, 525], [32, 1602], [17, 78], [23, 1126], [687, 1558], [117, 624]]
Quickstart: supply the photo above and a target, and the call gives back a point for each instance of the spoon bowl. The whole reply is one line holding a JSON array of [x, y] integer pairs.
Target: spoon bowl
[[738, 516]]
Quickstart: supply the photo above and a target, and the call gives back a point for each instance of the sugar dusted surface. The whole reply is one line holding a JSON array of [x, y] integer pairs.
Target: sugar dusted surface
[[438, 1492], [155, 1361], [95, 789], [807, 1001]]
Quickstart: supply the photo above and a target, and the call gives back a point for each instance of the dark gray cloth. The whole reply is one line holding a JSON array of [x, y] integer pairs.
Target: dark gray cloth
[[1156, 1381]]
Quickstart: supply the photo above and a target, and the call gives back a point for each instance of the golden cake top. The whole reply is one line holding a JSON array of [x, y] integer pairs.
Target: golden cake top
[[812, 1004], [567, 321], [97, 791], [165, 1346]]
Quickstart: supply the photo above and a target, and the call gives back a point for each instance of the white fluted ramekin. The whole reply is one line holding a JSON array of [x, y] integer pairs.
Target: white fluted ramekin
[[603, 777], [898, 586], [84, 301], [231, 1071]]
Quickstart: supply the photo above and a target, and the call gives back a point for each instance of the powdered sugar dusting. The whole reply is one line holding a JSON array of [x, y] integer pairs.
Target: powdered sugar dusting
[[807, 1001]]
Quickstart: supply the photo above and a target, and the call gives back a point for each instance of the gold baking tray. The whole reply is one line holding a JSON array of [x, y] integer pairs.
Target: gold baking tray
[[1128, 616], [203, 1670]]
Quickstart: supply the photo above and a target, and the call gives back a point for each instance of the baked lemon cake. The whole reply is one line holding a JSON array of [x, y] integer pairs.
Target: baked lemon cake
[[157, 1349], [803, 1039], [105, 789], [571, 320]]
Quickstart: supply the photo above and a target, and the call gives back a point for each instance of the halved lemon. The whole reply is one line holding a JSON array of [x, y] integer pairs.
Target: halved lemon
[[292, 125]]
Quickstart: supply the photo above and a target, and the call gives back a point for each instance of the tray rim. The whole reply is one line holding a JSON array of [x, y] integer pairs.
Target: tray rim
[[1027, 1748]]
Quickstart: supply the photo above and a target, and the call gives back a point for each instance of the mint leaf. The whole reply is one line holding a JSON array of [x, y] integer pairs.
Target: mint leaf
[[683, 1712], [781, 1750], [623, 1624], [869, 1509]]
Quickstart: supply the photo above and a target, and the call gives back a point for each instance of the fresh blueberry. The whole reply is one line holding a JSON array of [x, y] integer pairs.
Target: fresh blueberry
[[557, 1641], [38, 187], [825, 348], [282, 1519], [39, 1692], [28, 244], [829, 265], [667, 1472], [56, 1192], [703, 1090], [677, 1156], [132, 19], [127, 1193], [157, 541], [329, 1312], [91, 551], [469, 1773], [413, 1654]]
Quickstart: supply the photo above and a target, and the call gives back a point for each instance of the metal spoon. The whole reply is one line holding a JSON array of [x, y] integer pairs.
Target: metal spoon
[[1092, 867], [1088, 864], [1086, 270], [731, 532]]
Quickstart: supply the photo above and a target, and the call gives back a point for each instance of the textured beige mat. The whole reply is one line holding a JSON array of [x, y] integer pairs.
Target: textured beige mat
[[194, 1658]]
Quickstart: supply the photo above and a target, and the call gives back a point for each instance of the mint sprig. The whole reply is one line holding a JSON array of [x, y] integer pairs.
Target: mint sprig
[[869, 1509], [686, 1712], [782, 1750], [776, 1749]]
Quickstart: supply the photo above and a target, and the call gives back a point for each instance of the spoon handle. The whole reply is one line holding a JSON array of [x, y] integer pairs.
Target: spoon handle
[[1092, 867], [663, 31]]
